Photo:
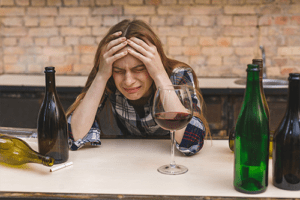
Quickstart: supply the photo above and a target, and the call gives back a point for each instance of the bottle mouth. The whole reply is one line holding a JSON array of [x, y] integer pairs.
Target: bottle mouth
[[253, 68], [49, 69], [294, 76], [48, 161]]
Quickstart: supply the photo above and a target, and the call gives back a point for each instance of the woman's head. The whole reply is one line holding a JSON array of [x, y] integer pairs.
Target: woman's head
[[129, 29]]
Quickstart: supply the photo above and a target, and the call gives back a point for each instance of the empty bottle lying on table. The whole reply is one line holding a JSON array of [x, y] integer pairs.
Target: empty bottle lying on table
[[15, 151], [251, 144], [286, 145], [52, 123]]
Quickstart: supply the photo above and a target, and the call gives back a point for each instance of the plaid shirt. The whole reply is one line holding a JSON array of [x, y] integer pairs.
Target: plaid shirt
[[133, 124]]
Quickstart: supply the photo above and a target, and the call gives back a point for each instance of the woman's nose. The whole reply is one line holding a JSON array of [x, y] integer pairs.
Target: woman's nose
[[129, 79]]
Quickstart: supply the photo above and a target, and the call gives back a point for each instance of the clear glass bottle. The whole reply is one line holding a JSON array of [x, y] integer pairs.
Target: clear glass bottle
[[15, 151], [251, 149], [52, 123], [286, 145]]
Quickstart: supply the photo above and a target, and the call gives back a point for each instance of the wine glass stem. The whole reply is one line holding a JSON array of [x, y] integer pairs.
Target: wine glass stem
[[172, 134]]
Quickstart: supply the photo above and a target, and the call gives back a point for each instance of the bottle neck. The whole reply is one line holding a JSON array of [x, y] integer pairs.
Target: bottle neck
[[294, 96], [253, 86], [50, 82]]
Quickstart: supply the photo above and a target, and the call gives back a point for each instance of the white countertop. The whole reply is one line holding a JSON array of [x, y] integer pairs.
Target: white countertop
[[79, 81], [129, 166]]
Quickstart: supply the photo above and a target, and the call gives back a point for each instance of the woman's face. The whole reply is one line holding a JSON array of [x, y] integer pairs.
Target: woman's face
[[131, 77]]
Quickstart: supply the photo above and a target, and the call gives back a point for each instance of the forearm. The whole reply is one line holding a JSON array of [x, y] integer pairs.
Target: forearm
[[84, 115]]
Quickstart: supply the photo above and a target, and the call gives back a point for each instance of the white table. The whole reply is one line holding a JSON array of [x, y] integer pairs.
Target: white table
[[129, 167]]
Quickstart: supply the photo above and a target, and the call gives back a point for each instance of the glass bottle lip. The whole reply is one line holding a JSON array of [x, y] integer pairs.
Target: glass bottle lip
[[253, 68], [49, 69], [294, 76]]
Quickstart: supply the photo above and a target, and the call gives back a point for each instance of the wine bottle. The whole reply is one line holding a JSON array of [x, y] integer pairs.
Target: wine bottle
[[286, 144], [52, 123], [15, 151], [251, 149], [258, 62]]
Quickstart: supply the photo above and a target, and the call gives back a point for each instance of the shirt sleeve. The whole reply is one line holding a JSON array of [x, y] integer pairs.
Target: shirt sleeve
[[92, 137], [193, 138]]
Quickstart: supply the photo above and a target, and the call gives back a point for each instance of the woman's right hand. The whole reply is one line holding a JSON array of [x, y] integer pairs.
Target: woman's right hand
[[109, 54]]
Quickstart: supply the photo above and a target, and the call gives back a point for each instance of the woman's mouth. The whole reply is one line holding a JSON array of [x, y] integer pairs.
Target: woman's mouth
[[132, 90]]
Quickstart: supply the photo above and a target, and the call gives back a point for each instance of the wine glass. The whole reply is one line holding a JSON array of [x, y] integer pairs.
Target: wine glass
[[172, 110]]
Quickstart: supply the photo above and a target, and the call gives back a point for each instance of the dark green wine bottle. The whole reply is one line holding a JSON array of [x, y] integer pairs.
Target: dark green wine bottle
[[251, 149], [52, 123], [15, 151], [286, 145]]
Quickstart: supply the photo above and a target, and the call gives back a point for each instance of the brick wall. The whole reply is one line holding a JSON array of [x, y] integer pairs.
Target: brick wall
[[218, 38]]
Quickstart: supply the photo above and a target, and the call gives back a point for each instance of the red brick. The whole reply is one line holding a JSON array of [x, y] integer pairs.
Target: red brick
[[154, 2], [64, 69], [224, 41], [85, 49], [282, 20], [287, 70], [295, 20]]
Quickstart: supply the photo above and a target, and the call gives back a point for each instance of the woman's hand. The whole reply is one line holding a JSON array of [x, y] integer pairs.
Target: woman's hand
[[147, 53], [109, 54]]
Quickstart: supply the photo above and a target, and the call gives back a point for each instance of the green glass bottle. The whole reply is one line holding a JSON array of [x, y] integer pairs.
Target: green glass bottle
[[251, 149], [258, 62], [15, 151]]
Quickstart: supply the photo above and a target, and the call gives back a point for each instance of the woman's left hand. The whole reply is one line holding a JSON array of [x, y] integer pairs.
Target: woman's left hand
[[147, 53]]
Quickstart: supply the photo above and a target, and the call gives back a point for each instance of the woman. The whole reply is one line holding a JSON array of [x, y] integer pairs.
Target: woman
[[129, 65]]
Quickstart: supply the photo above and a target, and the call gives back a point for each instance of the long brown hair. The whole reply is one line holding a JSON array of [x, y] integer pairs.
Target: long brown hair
[[141, 30]]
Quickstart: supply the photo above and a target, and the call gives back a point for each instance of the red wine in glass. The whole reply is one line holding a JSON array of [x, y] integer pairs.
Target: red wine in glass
[[173, 120]]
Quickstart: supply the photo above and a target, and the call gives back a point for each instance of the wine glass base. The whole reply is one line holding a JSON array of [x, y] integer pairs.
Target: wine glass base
[[172, 170]]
